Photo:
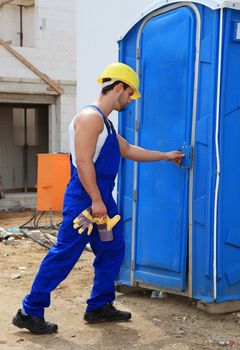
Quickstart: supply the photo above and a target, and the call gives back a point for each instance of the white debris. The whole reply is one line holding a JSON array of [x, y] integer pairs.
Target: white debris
[[123, 300], [222, 343], [158, 294], [15, 276], [36, 234], [10, 240]]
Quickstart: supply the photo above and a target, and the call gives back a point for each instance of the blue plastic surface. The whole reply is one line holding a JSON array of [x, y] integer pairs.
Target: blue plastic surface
[[167, 56], [204, 171], [186, 162], [229, 217], [165, 124]]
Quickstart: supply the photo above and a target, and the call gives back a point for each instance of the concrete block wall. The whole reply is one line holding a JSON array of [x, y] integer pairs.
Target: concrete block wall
[[10, 24], [60, 115], [49, 43], [68, 111], [18, 200], [10, 67], [53, 48]]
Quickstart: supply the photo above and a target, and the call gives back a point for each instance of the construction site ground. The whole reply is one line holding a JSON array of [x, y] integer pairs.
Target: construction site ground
[[173, 322]]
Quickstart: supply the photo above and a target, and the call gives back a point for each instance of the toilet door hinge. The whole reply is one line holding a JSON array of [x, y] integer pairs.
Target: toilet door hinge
[[138, 53], [137, 125], [135, 195]]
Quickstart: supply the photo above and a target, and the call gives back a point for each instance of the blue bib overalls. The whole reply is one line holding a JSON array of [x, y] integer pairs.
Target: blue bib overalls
[[70, 244]]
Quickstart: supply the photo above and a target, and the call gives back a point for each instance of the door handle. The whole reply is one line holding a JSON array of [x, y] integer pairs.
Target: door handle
[[187, 160]]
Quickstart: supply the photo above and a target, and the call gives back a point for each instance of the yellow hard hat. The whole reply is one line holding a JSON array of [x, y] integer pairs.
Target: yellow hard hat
[[124, 73]]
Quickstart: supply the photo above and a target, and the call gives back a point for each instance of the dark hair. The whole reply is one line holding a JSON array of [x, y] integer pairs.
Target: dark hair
[[110, 87]]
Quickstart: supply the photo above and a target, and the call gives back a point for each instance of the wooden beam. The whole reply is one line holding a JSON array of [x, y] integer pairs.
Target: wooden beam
[[42, 75], [27, 98], [5, 2], [25, 3]]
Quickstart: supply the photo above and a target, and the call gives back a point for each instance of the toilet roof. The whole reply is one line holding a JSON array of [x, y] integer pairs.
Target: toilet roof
[[213, 4]]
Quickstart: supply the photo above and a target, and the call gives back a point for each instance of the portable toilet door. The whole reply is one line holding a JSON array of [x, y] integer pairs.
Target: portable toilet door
[[165, 124], [166, 49]]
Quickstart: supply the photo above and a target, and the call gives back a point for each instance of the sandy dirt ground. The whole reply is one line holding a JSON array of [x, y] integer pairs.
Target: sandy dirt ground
[[168, 324]]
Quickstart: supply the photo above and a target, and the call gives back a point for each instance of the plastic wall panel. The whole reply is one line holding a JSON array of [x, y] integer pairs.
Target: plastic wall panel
[[204, 159], [229, 192]]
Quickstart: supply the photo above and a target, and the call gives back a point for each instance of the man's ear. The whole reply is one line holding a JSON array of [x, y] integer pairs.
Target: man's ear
[[119, 87]]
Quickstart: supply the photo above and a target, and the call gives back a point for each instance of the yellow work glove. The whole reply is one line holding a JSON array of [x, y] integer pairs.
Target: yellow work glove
[[110, 222], [85, 221]]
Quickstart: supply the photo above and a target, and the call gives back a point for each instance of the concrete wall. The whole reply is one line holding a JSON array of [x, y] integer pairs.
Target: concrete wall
[[49, 43], [50, 29], [10, 25], [67, 110]]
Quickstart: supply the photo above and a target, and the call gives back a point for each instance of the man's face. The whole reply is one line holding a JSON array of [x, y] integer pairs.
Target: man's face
[[124, 98]]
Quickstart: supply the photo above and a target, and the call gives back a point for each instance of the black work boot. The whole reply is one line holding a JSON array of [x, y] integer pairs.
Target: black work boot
[[106, 313], [36, 325]]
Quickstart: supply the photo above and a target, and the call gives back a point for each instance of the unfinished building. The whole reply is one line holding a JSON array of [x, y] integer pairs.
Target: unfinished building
[[37, 90]]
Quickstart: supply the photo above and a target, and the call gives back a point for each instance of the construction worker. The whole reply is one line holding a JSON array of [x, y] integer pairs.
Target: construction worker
[[95, 154]]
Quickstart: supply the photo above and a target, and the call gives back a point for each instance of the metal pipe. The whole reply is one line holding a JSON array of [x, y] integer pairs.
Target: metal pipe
[[21, 25], [25, 153], [217, 157]]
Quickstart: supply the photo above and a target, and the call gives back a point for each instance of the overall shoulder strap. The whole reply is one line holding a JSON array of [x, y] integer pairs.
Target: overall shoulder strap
[[112, 127]]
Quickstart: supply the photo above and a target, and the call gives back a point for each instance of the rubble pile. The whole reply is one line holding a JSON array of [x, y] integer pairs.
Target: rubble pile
[[13, 234]]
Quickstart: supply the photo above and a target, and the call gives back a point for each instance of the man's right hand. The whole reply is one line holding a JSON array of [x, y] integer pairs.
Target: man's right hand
[[175, 156], [99, 209]]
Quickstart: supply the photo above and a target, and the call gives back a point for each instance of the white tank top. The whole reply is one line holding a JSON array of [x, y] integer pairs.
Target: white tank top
[[100, 141]]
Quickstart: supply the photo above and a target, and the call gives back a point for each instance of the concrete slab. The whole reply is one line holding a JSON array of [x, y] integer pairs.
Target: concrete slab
[[219, 308], [18, 200]]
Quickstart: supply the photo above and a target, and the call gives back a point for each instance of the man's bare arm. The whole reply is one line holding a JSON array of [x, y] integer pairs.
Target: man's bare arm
[[88, 125], [143, 155]]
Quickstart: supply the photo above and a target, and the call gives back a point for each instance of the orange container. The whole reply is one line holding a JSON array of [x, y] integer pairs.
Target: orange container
[[52, 179]]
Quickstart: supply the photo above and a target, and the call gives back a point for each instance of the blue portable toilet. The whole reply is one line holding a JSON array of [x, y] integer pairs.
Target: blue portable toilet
[[182, 224]]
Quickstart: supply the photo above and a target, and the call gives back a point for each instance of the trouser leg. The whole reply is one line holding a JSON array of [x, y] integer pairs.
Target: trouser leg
[[54, 268], [107, 263]]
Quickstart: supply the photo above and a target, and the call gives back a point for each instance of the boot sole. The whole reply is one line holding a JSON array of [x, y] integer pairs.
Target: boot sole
[[100, 320], [22, 325]]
